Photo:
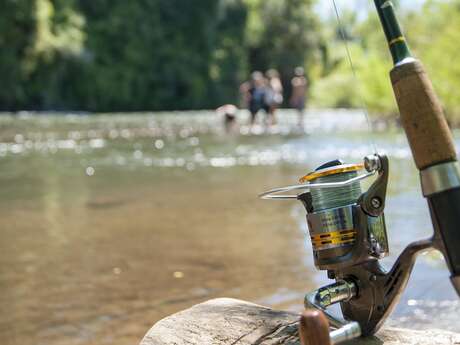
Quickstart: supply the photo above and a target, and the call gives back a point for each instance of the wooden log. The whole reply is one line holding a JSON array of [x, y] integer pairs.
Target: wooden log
[[234, 322]]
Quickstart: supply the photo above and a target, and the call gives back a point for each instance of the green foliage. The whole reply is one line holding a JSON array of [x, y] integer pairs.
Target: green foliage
[[433, 34], [102, 55], [147, 54], [370, 87], [333, 89], [55, 55], [229, 65], [435, 37], [17, 29], [283, 35]]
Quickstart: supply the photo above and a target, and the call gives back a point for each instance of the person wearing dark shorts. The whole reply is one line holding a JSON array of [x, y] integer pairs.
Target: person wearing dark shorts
[[257, 95], [299, 93]]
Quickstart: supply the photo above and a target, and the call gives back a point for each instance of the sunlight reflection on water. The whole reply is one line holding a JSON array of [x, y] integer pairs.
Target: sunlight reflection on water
[[114, 221], [173, 140]]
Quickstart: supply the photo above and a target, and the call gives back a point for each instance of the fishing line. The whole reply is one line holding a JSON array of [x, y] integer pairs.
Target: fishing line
[[355, 75], [326, 198]]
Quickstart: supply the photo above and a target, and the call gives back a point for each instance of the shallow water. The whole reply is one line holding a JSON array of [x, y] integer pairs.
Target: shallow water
[[112, 222]]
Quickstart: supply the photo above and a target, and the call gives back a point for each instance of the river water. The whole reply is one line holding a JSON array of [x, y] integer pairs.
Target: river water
[[112, 222]]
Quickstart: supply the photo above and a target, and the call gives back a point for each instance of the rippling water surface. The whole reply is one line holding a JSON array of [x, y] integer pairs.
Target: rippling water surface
[[111, 222]]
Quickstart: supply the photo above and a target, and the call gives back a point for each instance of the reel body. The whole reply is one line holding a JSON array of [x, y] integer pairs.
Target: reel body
[[348, 235], [341, 232]]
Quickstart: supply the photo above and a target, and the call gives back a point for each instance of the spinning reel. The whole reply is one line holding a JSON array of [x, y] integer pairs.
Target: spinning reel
[[348, 236], [347, 226]]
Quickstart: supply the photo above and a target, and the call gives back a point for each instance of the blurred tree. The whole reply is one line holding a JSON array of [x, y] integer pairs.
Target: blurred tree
[[435, 33], [148, 54], [103, 55], [371, 60], [55, 56], [17, 29], [229, 64], [283, 35]]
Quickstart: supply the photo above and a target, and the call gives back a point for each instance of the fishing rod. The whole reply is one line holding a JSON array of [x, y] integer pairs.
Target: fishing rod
[[347, 225], [430, 140]]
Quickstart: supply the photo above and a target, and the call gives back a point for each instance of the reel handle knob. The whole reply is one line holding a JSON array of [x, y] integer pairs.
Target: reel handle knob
[[314, 328]]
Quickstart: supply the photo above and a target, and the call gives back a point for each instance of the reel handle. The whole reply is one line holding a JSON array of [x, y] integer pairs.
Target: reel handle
[[314, 329]]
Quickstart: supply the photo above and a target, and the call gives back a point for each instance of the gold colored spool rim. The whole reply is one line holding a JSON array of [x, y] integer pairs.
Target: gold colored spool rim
[[331, 171], [340, 237], [317, 247]]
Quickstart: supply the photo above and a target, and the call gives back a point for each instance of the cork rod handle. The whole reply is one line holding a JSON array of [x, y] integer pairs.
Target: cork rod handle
[[422, 116]]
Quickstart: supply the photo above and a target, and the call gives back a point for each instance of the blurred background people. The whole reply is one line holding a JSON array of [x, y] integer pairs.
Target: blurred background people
[[299, 92], [228, 114], [256, 95], [273, 95]]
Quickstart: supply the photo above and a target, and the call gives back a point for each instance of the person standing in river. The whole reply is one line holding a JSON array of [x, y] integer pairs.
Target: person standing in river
[[273, 95], [255, 95], [299, 92]]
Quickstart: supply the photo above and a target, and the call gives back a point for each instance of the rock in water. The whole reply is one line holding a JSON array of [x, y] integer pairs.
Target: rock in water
[[234, 322]]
